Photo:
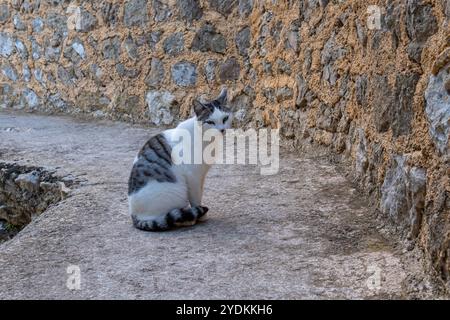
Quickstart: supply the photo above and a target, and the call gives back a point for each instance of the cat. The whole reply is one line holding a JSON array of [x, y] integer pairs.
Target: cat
[[163, 195]]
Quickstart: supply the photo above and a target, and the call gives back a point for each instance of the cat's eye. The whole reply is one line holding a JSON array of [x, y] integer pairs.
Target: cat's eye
[[210, 122], [225, 119]]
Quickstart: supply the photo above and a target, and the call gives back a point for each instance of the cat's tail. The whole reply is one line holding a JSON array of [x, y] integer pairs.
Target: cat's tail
[[176, 217]]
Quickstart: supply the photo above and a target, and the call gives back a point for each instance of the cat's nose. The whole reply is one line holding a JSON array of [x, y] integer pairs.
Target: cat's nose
[[222, 130]]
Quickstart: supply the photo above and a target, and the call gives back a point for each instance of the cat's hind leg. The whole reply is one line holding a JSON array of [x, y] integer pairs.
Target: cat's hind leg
[[187, 216], [174, 218]]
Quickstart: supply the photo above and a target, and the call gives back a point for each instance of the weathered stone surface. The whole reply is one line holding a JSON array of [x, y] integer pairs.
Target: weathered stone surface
[[31, 99], [420, 20], [153, 39], [330, 54], [92, 101], [405, 87], [229, 70], [441, 61], [110, 13], [6, 44], [26, 192], [361, 90], [210, 70], [284, 93], [302, 89], [243, 38], [36, 49], [420, 25], [208, 39], [283, 66], [86, 22], [293, 36], [53, 48], [111, 48], [403, 194], [225, 7], [9, 72], [7, 96], [135, 13], [159, 105], [39, 76], [438, 109], [57, 102], [328, 117], [21, 49], [18, 23], [26, 73], [174, 44], [131, 48], [66, 76], [123, 71], [156, 74], [57, 22], [5, 13], [74, 52], [189, 10], [383, 103], [245, 7], [162, 11], [37, 24], [184, 73]]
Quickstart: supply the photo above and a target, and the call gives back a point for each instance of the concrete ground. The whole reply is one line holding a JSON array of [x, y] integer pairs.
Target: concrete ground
[[302, 233]]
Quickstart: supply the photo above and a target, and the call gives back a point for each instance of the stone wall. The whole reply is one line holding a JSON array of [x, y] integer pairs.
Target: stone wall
[[325, 72]]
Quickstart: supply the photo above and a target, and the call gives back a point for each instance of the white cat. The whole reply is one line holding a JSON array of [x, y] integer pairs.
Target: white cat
[[162, 194]]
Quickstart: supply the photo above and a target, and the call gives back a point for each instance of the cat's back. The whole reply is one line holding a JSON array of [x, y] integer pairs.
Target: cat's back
[[153, 163]]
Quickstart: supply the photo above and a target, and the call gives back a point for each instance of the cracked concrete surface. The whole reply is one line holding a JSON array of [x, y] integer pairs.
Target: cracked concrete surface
[[303, 233]]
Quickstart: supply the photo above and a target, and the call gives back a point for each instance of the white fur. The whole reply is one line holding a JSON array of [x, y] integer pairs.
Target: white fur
[[158, 198]]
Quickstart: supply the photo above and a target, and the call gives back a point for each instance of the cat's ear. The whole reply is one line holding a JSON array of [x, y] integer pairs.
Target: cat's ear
[[199, 108], [222, 98]]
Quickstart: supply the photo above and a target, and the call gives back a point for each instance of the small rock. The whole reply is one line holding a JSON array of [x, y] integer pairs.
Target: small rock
[[127, 72], [184, 73], [28, 181], [162, 11], [18, 23], [86, 22], [9, 71], [284, 93], [242, 40], [21, 49], [189, 10], [283, 66], [210, 70], [156, 74], [6, 44], [131, 48], [57, 22], [245, 7], [229, 70], [225, 7], [110, 13], [111, 48], [438, 109], [31, 98], [159, 105], [26, 73], [174, 44], [208, 39], [36, 50], [135, 13], [4, 12]]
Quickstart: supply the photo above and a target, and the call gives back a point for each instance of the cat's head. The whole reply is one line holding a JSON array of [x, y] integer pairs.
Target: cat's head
[[214, 114]]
